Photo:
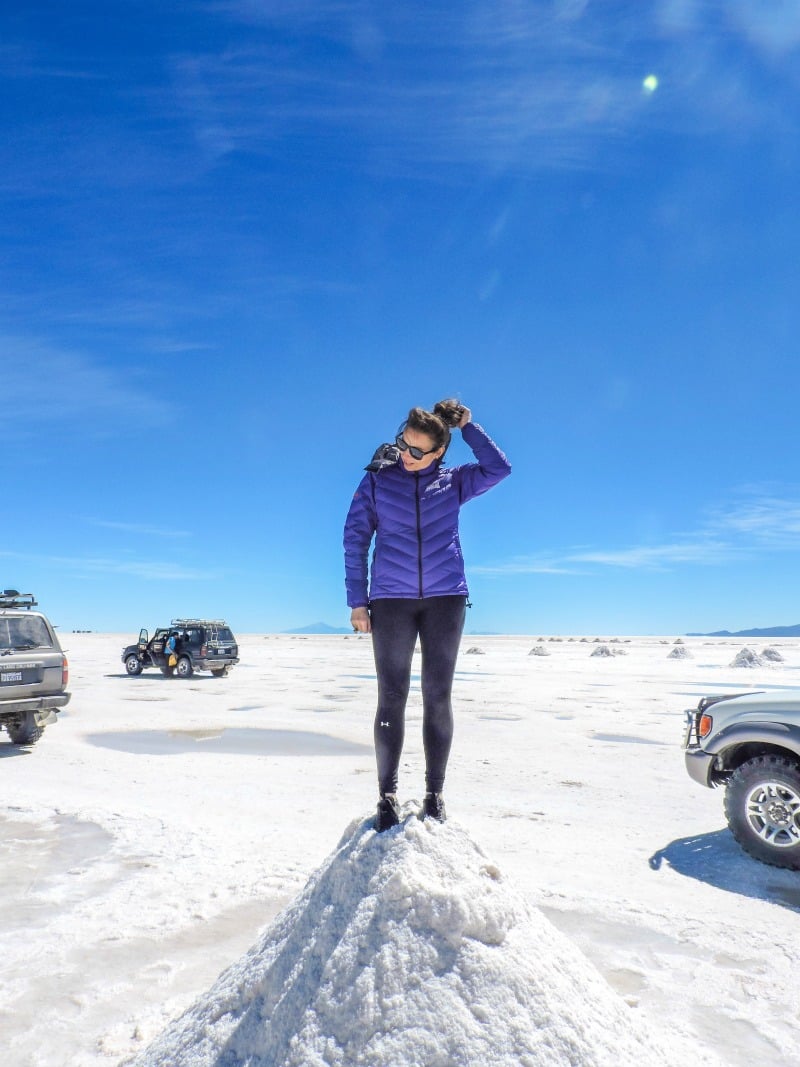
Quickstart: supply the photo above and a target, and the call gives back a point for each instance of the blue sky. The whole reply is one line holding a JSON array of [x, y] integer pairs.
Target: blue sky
[[239, 239]]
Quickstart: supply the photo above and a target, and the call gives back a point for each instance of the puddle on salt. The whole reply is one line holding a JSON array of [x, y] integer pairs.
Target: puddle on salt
[[247, 741], [628, 739]]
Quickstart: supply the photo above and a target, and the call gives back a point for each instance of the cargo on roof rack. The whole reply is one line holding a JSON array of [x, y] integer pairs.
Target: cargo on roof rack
[[198, 622], [11, 598]]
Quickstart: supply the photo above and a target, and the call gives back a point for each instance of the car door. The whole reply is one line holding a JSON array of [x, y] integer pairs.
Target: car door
[[156, 648]]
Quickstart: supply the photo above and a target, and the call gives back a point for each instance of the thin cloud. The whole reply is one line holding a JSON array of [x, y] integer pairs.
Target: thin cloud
[[773, 28], [149, 570], [21, 61], [659, 557], [634, 557], [524, 565], [438, 86], [78, 390], [739, 531], [769, 520], [494, 85], [94, 566], [138, 528]]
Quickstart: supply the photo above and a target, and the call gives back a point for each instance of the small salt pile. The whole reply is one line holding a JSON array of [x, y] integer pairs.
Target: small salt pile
[[680, 652], [772, 655], [746, 658]]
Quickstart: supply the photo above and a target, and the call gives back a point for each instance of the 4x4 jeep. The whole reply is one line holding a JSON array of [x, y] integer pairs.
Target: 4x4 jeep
[[33, 669], [200, 645], [750, 743]]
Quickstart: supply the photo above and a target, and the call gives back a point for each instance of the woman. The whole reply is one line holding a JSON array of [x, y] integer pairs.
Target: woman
[[417, 585]]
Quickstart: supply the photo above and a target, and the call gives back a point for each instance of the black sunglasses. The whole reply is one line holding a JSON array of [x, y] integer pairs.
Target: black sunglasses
[[417, 453]]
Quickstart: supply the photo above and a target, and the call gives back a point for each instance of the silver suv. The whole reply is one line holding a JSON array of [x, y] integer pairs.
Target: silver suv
[[33, 669], [750, 743]]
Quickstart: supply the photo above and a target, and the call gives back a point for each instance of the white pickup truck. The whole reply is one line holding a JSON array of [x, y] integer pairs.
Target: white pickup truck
[[750, 743]]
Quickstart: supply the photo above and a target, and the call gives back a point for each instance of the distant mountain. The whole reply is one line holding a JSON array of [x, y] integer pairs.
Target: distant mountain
[[320, 628], [769, 631]]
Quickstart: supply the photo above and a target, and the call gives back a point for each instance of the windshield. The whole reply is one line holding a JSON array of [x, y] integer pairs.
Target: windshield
[[28, 631]]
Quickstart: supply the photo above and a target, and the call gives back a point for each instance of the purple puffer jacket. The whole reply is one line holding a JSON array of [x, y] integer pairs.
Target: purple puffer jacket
[[415, 518]]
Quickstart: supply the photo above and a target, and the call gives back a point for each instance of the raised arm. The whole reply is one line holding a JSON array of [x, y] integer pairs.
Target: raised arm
[[492, 466]]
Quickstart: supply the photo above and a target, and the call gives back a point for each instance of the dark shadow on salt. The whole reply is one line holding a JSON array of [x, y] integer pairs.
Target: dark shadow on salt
[[8, 748], [716, 859]]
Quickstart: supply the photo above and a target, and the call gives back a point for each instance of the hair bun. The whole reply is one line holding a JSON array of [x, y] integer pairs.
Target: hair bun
[[449, 411]]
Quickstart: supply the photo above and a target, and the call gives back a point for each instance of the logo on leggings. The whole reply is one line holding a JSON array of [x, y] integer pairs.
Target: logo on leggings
[[386, 724]]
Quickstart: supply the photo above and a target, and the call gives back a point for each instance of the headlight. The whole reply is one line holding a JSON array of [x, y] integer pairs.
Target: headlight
[[705, 725]]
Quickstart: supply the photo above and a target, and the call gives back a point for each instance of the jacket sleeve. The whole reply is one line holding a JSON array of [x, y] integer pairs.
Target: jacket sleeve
[[492, 466], [359, 527]]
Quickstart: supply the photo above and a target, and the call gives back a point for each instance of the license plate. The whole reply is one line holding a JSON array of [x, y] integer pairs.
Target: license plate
[[11, 676]]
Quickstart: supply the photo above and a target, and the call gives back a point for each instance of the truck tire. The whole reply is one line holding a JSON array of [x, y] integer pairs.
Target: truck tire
[[762, 806], [185, 668], [24, 731], [133, 665]]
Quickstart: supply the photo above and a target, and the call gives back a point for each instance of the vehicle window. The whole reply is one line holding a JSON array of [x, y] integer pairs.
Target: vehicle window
[[193, 637], [224, 634], [25, 632]]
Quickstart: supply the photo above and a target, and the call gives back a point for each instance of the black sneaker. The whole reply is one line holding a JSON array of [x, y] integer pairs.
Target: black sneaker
[[433, 807], [388, 812]]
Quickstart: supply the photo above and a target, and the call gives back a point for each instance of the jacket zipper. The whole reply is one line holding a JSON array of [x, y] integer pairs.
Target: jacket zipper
[[419, 536]]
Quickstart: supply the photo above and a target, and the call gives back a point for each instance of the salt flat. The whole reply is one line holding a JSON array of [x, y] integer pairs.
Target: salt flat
[[161, 824]]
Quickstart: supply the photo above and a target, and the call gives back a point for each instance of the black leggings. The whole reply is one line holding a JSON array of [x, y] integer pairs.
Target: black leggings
[[439, 622]]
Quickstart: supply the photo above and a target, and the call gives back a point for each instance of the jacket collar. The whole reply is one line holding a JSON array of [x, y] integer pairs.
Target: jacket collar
[[387, 455]]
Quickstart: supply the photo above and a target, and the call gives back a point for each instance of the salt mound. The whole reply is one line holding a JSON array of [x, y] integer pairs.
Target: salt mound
[[602, 650], [771, 654], [746, 658], [409, 948], [474, 651], [680, 652], [538, 650]]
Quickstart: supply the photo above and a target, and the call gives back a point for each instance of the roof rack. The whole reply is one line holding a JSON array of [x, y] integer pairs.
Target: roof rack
[[11, 598], [198, 622]]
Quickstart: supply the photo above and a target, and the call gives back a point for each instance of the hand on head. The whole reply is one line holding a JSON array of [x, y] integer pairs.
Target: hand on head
[[452, 413]]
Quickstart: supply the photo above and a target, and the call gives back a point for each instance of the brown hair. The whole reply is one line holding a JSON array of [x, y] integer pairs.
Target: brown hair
[[437, 423]]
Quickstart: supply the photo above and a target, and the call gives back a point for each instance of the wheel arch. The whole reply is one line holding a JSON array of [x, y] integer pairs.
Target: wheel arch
[[733, 757], [739, 742]]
